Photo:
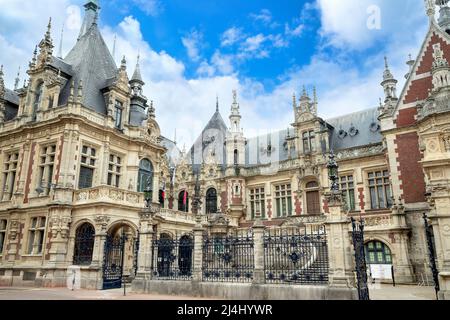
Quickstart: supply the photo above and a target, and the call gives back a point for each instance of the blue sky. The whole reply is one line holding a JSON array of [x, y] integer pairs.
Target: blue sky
[[192, 50]]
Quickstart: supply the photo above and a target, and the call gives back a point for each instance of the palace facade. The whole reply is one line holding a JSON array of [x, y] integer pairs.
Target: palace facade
[[81, 152]]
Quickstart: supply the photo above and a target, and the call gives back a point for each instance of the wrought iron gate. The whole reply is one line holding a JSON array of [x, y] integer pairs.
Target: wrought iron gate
[[360, 259], [113, 262], [431, 253]]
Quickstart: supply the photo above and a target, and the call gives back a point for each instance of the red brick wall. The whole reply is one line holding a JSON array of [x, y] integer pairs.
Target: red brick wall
[[29, 172], [326, 209], [224, 199], [362, 203], [419, 88], [406, 117], [411, 172]]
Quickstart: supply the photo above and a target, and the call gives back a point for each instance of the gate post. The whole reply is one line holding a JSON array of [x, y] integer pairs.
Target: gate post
[[198, 250], [145, 252], [339, 245], [258, 251]]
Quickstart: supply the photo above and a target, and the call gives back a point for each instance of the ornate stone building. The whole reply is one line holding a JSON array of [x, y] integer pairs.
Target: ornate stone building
[[81, 149]]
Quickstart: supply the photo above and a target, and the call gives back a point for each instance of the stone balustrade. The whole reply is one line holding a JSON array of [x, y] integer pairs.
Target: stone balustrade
[[110, 195]]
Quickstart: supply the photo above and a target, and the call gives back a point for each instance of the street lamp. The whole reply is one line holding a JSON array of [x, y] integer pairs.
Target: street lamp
[[148, 194], [333, 172]]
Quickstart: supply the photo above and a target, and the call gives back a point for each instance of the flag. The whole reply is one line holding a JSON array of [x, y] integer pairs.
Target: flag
[[184, 198]]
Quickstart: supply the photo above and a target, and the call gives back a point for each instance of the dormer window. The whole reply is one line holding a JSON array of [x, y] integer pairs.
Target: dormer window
[[118, 111], [309, 142]]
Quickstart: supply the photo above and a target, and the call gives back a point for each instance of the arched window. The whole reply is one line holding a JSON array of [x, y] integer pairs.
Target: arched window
[[183, 201], [37, 99], [312, 198], [378, 253], [211, 201], [145, 177], [84, 245], [236, 157]]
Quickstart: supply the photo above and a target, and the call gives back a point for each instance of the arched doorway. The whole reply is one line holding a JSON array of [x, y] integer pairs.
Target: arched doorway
[[185, 255], [84, 245], [120, 255], [165, 255], [145, 175], [312, 198], [183, 201], [211, 201], [379, 260]]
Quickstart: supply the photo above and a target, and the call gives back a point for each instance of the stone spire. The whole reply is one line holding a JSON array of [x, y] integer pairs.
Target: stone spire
[[61, 43], [389, 83], [430, 9], [90, 17], [444, 15], [17, 80], [217, 103], [137, 77], [410, 64], [235, 116], [114, 47], [46, 47]]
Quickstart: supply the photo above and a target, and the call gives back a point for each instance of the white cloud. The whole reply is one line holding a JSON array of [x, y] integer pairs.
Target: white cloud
[[264, 16], [150, 7], [192, 43], [231, 36], [295, 32]]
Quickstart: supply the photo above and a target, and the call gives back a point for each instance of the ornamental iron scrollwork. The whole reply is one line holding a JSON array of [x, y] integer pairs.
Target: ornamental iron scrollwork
[[360, 259]]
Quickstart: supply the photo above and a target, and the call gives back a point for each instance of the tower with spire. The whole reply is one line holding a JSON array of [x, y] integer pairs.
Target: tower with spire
[[235, 142], [389, 85]]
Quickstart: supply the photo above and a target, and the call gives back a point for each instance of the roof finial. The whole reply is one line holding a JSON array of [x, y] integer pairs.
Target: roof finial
[[294, 101], [49, 29], [114, 47], [2, 82], [217, 103], [61, 43], [124, 63], [175, 137], [17, 80], [235, 96], [430, 9], [315, 94]]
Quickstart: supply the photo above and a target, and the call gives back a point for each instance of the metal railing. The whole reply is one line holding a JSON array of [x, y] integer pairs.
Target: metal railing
[[296, 256], [228, 258]]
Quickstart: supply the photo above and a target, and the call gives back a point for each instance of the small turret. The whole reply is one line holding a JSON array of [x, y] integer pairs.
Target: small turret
[[440, 68], [389, 83]]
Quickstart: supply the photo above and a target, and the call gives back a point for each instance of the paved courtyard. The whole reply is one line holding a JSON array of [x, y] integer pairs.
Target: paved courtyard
[[377, 292]]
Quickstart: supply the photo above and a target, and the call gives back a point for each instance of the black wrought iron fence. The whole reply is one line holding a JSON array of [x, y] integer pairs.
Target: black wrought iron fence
[[228, 258], [173, 258], [296, 255]]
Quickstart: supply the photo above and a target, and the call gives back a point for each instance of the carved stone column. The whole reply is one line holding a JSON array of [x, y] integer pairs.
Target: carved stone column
[[440, 220], [339, 244], [60, 219], [101, 224]]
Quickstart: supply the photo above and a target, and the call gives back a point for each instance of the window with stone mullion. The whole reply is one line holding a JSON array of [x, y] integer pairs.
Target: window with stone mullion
[[283, 199], [380, 190], [257, 203], [118, 114], [36, 235], [348, 190], [114, 170], [46, 166], [87, 168], [3, 225], [9, 176]]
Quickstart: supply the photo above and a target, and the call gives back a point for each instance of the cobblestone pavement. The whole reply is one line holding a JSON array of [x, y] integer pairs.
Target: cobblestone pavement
[[377, 292]]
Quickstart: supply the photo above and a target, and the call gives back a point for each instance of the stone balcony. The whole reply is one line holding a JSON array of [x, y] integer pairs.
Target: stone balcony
[[107, 194]]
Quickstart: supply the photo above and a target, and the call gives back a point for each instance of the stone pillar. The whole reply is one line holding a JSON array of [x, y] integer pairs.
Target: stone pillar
[[440, 220], [101, 224], [145, 253], [258, 247], [339, 245], [60, 219], [198, 250]]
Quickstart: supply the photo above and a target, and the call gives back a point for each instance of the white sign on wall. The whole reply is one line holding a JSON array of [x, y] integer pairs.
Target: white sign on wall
[[381, 271]]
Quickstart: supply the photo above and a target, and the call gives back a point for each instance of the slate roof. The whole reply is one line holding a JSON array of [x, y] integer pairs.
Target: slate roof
[[94, 65], [173, 152], [212, 136], [367, 130]]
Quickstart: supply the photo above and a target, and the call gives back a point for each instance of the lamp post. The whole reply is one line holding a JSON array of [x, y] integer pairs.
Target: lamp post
[[333, 172]]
